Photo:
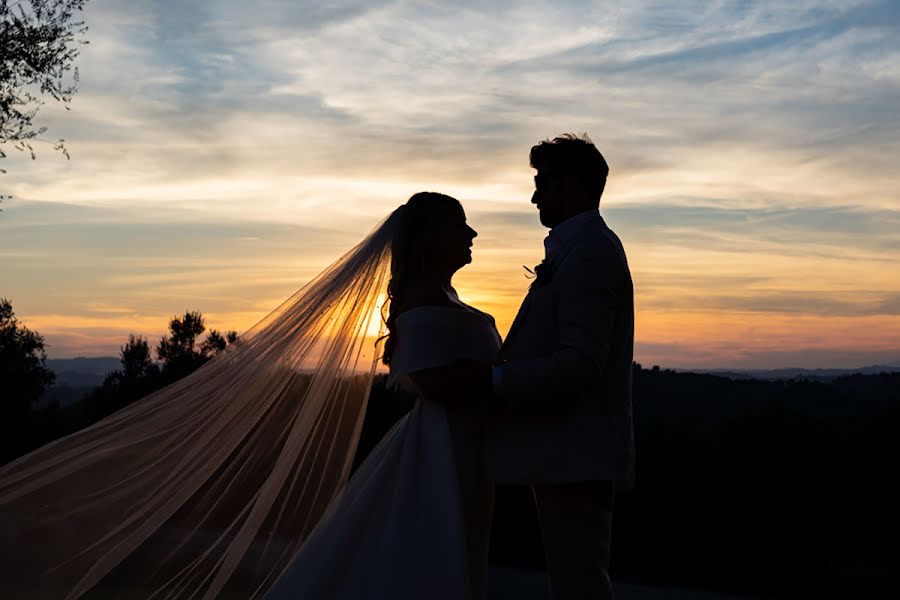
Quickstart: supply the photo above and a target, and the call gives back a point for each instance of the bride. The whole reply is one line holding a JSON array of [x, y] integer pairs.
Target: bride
[[232, 482]]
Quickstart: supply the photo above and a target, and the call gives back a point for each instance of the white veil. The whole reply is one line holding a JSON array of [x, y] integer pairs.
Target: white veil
[[207, 487]]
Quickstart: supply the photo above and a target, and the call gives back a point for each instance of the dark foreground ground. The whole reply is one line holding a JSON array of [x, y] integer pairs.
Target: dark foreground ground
[[745, 488], [521, 584]]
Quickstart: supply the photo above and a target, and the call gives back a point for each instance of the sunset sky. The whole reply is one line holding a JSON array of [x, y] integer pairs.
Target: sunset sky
[[225, 152]]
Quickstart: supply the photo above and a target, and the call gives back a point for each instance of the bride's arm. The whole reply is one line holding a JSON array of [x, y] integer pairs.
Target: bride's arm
[[433, 383], [451, 384]]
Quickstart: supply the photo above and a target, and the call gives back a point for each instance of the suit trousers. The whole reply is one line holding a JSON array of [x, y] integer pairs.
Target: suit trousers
[[576, 522]]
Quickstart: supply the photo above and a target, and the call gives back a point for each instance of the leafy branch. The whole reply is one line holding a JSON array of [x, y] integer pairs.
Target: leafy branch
[[39, 42]]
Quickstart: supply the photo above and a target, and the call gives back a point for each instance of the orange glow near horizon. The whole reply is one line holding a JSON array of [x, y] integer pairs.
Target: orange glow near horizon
[[684, 339]]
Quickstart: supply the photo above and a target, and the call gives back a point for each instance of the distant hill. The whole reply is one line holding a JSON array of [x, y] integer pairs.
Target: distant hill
[[782, 374], [82, 371], [90, 371], [75, 377]]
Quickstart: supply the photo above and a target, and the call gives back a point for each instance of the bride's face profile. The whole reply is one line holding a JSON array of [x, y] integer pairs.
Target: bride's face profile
[[432, 242], [451, 244]]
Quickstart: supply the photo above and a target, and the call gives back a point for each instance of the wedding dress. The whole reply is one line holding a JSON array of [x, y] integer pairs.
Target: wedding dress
[[397, 531]]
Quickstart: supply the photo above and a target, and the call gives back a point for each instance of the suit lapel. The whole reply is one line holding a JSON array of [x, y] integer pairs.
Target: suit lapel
[[558, 260]]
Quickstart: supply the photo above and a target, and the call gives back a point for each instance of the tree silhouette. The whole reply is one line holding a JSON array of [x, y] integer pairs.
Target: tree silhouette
[[136, 360], [180, 352], [215, 342], [23, 376], [137, 365], [39, 41]]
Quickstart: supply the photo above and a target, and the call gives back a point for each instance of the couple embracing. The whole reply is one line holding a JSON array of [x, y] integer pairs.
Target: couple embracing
[[233, 481], [549, 407]]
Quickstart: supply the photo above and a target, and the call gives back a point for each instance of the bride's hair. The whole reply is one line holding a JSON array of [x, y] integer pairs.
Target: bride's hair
[[411, 253]]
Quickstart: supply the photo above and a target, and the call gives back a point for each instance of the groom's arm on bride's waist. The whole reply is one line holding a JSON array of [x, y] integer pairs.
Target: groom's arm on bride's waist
[[592, 286], [464, 382]]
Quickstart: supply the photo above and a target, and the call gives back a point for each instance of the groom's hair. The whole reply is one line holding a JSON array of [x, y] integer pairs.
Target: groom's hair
[[576, 155]]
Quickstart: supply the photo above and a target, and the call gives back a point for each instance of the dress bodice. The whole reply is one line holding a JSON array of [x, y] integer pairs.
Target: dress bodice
[[437, 336]]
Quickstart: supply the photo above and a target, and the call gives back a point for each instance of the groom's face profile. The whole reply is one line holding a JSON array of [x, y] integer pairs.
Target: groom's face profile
[[550, 196]]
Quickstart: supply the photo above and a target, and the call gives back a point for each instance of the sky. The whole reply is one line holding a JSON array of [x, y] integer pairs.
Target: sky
[[223, 153]]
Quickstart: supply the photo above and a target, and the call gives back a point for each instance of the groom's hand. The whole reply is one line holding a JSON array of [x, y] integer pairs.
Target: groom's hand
[[464, 383], [474, 379]]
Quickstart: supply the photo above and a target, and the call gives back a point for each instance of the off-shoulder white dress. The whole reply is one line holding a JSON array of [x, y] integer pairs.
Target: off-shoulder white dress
[[412, 522]]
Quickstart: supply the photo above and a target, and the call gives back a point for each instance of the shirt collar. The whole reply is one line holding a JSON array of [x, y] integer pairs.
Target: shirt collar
[[561, 235]]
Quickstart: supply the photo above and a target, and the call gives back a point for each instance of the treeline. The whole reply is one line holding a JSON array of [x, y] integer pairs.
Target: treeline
[[24, 378]]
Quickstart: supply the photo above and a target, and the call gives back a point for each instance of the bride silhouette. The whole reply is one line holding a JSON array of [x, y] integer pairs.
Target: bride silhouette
[[232, 482]]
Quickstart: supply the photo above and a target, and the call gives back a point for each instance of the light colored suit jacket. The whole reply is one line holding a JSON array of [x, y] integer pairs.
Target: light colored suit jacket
[[565, 376]]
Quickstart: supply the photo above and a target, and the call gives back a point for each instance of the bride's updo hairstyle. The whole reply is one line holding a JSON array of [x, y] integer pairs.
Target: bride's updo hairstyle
[[411, 253]]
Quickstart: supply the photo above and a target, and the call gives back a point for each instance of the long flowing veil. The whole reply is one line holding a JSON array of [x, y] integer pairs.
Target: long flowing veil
[[207, 487]]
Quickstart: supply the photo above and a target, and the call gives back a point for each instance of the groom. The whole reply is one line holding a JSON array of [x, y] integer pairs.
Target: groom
[[561, 417]]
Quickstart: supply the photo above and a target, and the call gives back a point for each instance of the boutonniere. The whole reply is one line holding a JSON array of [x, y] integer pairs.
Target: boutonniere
[[542, 273]]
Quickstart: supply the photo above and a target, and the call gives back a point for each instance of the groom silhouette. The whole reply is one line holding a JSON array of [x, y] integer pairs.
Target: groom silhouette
[[560, 416]]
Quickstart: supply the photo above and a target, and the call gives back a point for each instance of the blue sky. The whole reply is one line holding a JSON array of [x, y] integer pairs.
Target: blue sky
[[223, 152]]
